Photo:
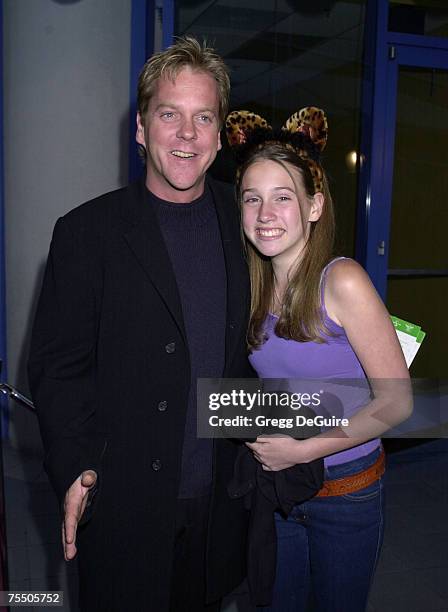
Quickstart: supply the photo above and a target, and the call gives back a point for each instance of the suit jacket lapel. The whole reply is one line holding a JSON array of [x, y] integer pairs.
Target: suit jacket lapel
[[146, 242]]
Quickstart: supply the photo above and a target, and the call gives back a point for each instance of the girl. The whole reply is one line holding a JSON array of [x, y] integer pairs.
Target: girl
[[314, 317]]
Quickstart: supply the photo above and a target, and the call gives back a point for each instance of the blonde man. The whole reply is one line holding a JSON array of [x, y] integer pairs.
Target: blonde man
[[145, 291]]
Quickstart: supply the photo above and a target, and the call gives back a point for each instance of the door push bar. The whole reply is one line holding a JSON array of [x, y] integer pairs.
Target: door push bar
[[16, 395]]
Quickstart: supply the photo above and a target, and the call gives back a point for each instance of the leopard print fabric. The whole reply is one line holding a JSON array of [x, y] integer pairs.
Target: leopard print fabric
[[240, 122], [310, 121]]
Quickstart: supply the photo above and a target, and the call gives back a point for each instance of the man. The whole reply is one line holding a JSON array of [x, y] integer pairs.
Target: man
[[145, 291]]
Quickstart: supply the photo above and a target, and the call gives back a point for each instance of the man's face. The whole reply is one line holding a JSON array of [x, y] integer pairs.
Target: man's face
[[181, 135]]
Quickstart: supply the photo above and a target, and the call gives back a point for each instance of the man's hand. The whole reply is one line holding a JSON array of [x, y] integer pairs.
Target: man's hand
[[74, 505]]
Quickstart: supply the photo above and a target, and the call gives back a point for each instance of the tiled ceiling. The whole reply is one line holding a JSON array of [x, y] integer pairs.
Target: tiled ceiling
[[274, 47]]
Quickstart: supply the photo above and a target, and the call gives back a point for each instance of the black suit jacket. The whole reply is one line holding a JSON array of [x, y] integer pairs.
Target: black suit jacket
[[108, 346]]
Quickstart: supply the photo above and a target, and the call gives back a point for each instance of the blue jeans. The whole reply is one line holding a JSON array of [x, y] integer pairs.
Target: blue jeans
[[328, 548]]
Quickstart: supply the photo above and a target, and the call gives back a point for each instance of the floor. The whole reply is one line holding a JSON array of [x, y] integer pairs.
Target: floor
[[413, 571]]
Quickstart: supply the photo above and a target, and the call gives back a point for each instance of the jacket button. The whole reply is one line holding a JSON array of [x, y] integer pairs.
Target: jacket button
[[162, 406], [170, 347], [156, 465], [231, 325]]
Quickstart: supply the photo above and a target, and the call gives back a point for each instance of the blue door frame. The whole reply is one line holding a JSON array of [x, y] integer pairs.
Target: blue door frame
[[143, 13], [385, 52], [142, 46]]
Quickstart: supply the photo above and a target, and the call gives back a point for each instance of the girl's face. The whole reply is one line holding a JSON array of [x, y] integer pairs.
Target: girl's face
[[276, 211]]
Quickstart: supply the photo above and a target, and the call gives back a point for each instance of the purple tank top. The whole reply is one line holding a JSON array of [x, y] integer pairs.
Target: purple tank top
[[280, 358]]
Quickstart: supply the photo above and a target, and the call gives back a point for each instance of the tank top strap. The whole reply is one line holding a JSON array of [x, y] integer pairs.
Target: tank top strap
[[323, 278]]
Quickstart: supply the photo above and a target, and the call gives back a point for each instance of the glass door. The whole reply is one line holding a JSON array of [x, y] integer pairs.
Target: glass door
[[417, 279], [413, 241]]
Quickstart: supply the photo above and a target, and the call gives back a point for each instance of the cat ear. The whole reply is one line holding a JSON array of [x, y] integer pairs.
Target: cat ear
[[311, 121], [240, 123]]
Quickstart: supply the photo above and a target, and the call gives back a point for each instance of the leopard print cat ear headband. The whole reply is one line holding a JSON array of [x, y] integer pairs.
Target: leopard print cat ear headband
[[305, 133]]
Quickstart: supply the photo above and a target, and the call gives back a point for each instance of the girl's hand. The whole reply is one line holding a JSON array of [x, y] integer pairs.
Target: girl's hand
[[277, 453]]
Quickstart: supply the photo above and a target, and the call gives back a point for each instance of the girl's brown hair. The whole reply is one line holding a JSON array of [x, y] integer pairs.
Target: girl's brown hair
[[301, 314]]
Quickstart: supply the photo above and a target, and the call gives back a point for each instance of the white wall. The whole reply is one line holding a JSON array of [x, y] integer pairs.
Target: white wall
[[66, 96]]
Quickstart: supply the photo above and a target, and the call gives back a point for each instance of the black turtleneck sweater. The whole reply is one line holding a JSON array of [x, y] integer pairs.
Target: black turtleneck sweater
[[193, 240]]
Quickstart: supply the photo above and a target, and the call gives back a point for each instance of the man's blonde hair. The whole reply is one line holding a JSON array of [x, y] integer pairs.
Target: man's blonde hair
[[187, 51]]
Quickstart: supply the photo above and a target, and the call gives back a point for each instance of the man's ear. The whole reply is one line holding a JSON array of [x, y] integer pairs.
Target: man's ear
[[317, 206], [219, 142], [140, 134]]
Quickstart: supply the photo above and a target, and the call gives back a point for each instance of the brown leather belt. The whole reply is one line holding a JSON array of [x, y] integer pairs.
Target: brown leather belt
[[355, 482]]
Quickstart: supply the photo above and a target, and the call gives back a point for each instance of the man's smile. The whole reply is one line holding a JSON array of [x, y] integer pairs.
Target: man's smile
[[183, 154]]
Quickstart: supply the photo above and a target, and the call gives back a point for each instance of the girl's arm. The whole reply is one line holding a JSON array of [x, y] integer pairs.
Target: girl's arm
[[352, 302]]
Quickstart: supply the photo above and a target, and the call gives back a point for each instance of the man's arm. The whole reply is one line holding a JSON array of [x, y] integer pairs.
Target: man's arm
[[62, 367]]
